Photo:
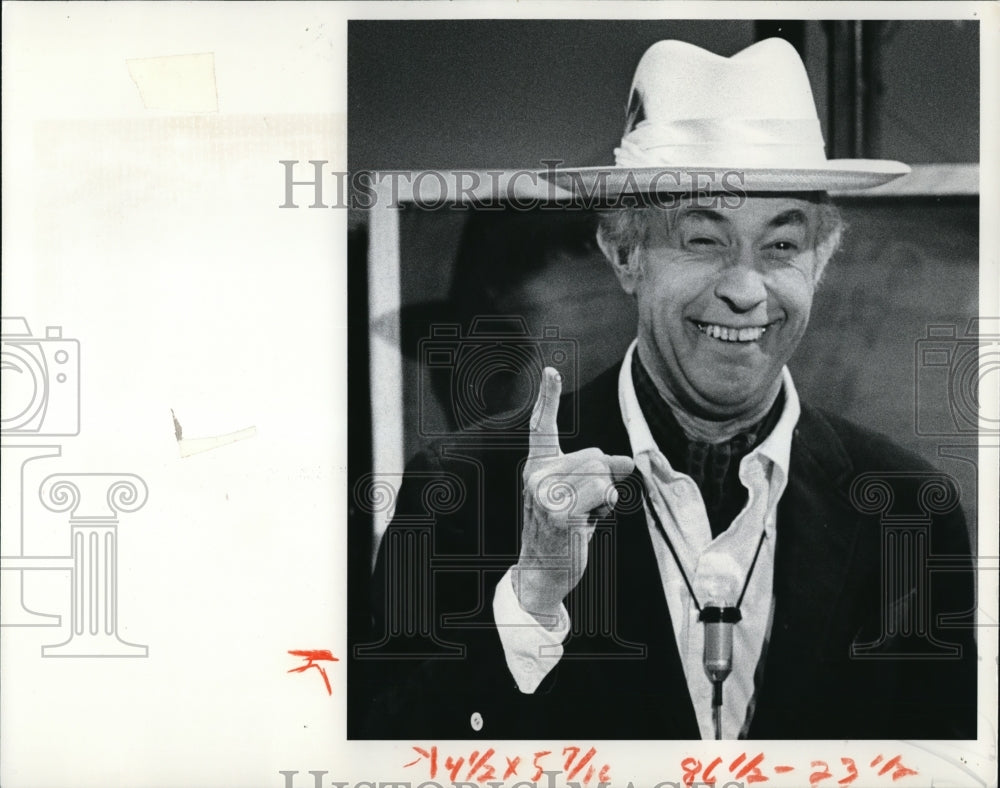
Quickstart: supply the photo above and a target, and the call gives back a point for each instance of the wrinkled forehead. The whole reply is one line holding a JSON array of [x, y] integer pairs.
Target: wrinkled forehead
[[750, 213]]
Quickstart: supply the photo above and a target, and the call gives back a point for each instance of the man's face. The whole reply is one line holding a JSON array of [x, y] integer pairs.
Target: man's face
[[724, 297]]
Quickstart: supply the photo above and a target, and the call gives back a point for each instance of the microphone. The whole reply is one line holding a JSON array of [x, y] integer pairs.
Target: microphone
[[718, 621], [718, 655], [718, 618]]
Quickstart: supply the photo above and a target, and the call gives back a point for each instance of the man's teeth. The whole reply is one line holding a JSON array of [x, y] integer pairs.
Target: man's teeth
[[751, 334]]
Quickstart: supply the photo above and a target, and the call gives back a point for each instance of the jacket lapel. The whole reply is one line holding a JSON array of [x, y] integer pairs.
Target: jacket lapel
[[645, 617], [817, 531], [640, 614]]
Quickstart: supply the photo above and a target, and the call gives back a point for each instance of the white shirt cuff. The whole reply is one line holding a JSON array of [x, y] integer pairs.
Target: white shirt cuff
[[530, 649]]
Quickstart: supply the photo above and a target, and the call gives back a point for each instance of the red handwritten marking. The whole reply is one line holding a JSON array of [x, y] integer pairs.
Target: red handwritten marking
[[579, 767], [481, 769], [852, 771], [481, 764], [537, 765], [315, 654], [432, 755], [707, 776], [822, 774], [750, 771], [690, 768], [896, 763], [453, 766]]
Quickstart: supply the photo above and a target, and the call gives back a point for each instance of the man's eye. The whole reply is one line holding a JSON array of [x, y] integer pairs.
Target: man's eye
[[785, 246], [703, 240]]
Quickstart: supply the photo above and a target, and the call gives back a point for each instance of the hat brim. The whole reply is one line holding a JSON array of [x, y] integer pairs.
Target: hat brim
[[835, 175]]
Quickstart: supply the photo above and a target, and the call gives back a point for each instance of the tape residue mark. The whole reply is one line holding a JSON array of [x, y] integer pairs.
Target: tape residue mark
[[178, 431], [176, 83], [189, 446]]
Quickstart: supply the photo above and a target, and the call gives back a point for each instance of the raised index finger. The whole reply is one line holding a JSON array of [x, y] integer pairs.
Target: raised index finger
[[543, 440]]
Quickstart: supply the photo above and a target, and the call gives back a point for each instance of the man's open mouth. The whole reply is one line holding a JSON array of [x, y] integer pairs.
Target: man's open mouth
[[732, 333]]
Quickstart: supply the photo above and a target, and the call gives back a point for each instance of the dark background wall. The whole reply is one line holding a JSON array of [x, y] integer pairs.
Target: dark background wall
[[452, 94]]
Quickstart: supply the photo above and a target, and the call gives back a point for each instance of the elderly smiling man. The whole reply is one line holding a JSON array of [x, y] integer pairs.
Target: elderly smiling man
[[683, 552]]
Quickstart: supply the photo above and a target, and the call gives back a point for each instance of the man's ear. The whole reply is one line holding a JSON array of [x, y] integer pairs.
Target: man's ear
[[626, 263]]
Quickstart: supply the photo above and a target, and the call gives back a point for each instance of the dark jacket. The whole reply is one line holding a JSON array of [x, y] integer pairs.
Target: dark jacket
[[858, 647]]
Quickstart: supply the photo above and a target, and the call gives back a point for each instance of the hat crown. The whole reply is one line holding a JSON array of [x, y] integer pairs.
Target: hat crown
[[676, 80], [691, 107]]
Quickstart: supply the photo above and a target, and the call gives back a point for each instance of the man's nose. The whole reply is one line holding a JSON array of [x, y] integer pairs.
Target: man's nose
[[741, 284]]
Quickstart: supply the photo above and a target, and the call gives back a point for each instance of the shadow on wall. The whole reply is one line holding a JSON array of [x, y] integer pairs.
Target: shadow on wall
[[525, 290]]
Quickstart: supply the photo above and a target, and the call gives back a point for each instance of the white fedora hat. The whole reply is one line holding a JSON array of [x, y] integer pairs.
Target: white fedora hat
[[697, 121]]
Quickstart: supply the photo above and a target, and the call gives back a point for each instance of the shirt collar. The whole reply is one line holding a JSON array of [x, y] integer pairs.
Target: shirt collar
[[777, 447]]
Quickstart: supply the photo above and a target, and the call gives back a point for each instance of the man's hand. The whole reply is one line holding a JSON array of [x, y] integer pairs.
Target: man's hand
[[564, 496]]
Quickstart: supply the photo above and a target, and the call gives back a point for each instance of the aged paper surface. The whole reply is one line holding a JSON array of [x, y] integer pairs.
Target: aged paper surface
[[175, 495]]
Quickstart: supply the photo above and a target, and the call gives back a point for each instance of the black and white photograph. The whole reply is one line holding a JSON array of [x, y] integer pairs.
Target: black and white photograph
[[672, 339]]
